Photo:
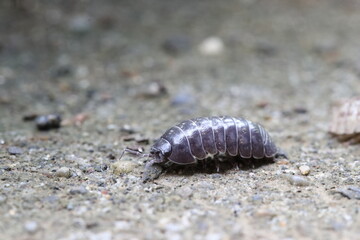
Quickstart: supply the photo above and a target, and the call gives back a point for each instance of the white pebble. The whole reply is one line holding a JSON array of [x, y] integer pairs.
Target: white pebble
[[211, 46], [120, 167], [298, 180], [31, 226], [63, 172], [304, 169]]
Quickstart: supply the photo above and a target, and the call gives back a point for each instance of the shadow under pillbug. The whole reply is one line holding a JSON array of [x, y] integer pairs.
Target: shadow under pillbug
[[218, 138]]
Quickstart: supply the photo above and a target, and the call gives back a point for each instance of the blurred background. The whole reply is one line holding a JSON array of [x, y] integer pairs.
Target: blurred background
[[120, 72], [156, 59]]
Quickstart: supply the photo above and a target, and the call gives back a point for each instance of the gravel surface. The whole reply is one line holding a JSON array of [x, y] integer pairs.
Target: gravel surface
[[119, 73]]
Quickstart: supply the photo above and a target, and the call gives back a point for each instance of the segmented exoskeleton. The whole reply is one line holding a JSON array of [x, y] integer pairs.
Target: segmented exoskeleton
[[209, 137]]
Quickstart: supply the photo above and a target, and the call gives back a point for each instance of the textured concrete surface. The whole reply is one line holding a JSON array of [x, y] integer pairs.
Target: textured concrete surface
[[121, 72]]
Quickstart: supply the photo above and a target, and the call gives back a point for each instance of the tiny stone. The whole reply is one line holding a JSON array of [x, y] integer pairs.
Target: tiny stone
[[47, 122], [120, 167], [298, 180], [2, 199], [29, 117], [266, 49], [182, 98], [257, 199], [78, 190], [15, 150], [122, 225], [63, 172], [31, 226], [216, 175], [351, 192], [127, 129], [80, 24], [205, 185], [100, 167], [211, 46], [176, 45], [304, 169], [185, 192]]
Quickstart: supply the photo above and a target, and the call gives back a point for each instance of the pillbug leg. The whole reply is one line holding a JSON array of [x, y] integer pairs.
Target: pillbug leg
[[236, 165], [203, 164], [217, 164], [281, 154]]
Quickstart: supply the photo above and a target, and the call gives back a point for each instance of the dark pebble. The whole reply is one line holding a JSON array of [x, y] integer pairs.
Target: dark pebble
[[91, 225], [30, 117], [266, 49], [176, 45], [300, 110], [47, 122], [61, 71], [100, 168], [15, 150], [6, 168]]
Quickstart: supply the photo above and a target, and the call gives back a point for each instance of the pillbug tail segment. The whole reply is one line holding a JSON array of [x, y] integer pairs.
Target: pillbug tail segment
[[281, 154], [152, 171]]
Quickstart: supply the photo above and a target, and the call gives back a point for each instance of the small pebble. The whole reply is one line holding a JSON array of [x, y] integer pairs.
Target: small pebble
[[298, 180], [304, 169], [14, 150], [185, 192], [300, 110], [122, 225], [266, 49], [152, 89], [30, 117], [183, 98], [128, 129], [121, 167], [257, 199], [351, 192], [78, 190], [2, 199], [47, 122], [176, 45], [205, 185], [62, 70], [80, 24], [211, 46], [100, 167], [31, 226], [63, 172]]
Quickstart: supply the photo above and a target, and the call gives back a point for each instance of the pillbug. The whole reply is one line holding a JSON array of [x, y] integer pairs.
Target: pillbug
[[201, 138]]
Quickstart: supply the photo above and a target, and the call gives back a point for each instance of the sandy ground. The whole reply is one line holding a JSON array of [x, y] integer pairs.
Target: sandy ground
[[121, 72]]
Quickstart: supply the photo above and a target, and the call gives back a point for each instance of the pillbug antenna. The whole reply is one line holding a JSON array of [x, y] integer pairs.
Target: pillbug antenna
[[132, 151]]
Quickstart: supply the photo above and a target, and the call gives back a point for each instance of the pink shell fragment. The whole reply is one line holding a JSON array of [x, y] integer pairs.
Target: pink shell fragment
[[346, 117]]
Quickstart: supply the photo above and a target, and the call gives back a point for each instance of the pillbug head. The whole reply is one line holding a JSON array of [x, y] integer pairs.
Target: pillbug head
[[160, 150]]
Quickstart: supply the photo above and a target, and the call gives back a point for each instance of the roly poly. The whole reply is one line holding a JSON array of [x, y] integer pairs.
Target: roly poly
[[218, 138]]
